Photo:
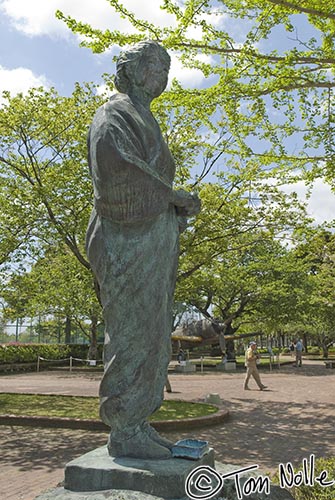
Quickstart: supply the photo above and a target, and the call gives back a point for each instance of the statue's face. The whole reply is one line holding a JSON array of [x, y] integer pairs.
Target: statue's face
[[155, 75], [145, 67]]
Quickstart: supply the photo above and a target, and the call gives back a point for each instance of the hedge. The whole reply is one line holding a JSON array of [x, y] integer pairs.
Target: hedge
[[28, 353]]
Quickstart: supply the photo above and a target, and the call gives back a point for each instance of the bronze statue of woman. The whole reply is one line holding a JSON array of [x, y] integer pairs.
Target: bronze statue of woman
[[133, 247]]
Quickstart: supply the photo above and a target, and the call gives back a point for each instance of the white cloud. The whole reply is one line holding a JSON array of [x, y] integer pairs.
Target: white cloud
[[20, 80], [37, 17], [105, 90], [215, 18], [150, 10], [321, 204], [188, 77]]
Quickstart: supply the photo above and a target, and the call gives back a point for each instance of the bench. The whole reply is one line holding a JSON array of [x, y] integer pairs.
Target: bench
[[330, 364]]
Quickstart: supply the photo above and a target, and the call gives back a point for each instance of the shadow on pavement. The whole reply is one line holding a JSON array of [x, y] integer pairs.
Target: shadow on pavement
[[309, 369], [32, 449], [270, 433]]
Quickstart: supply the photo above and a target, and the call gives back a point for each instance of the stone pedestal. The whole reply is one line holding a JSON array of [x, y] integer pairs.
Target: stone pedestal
[[213, 398], [96, 471], [228, 366], [187, 367]]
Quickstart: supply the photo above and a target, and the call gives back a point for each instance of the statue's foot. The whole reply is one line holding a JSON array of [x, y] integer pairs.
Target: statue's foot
[[155, 436], [138, 446]]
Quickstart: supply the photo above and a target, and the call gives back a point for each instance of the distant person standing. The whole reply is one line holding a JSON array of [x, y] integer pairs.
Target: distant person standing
[[251, 357], [181, 356], [299, 347], [292, 349]]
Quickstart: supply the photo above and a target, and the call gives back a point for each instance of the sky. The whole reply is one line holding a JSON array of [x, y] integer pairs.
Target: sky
[[37, 49]]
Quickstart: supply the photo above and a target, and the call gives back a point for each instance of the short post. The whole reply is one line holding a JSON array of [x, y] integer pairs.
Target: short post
[[202, 364], [38, 363], [70, 364]]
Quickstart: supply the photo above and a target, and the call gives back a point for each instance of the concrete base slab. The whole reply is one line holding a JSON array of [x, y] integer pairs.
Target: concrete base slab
[[228, 491], [97, 470]]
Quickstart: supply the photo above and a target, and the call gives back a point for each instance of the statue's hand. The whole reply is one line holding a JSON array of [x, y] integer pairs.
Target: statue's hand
[[187, 204]]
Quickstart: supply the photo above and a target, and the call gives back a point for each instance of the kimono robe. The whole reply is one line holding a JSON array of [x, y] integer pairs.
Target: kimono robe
[[133, 245]]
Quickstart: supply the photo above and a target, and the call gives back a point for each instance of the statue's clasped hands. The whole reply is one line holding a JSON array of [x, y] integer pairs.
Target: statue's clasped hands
[[187, 204]]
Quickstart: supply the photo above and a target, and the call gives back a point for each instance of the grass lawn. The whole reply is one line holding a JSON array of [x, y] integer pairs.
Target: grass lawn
[[88, 407]]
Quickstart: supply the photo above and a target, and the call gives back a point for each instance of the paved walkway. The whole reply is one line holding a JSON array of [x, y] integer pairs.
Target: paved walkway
[[292, 419]]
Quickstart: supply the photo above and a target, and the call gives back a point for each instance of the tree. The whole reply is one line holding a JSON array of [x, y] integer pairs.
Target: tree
[[264, 116], [271, 104], [46, 191], [234, 267], [59, 287], [317, 252], [266, 110]]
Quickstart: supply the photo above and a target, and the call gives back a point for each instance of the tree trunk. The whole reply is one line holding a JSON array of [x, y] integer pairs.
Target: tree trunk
[[93, 349], [97, 289], [222, 343], [68, 330], [325, 351], [168, 385], [282, 339], [324, 347], [230, 345]]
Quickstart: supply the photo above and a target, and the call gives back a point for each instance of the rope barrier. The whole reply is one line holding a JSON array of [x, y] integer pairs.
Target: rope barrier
[[45, 359], [92, 362], [86, 360]]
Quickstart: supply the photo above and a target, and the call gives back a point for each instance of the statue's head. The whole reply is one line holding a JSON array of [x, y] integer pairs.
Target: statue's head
[[146, 65]]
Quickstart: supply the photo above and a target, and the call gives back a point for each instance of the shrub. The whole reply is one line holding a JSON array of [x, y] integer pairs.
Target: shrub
[[265, 350], [28, 353], [314, 350], [317, 492], [81, 350]]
